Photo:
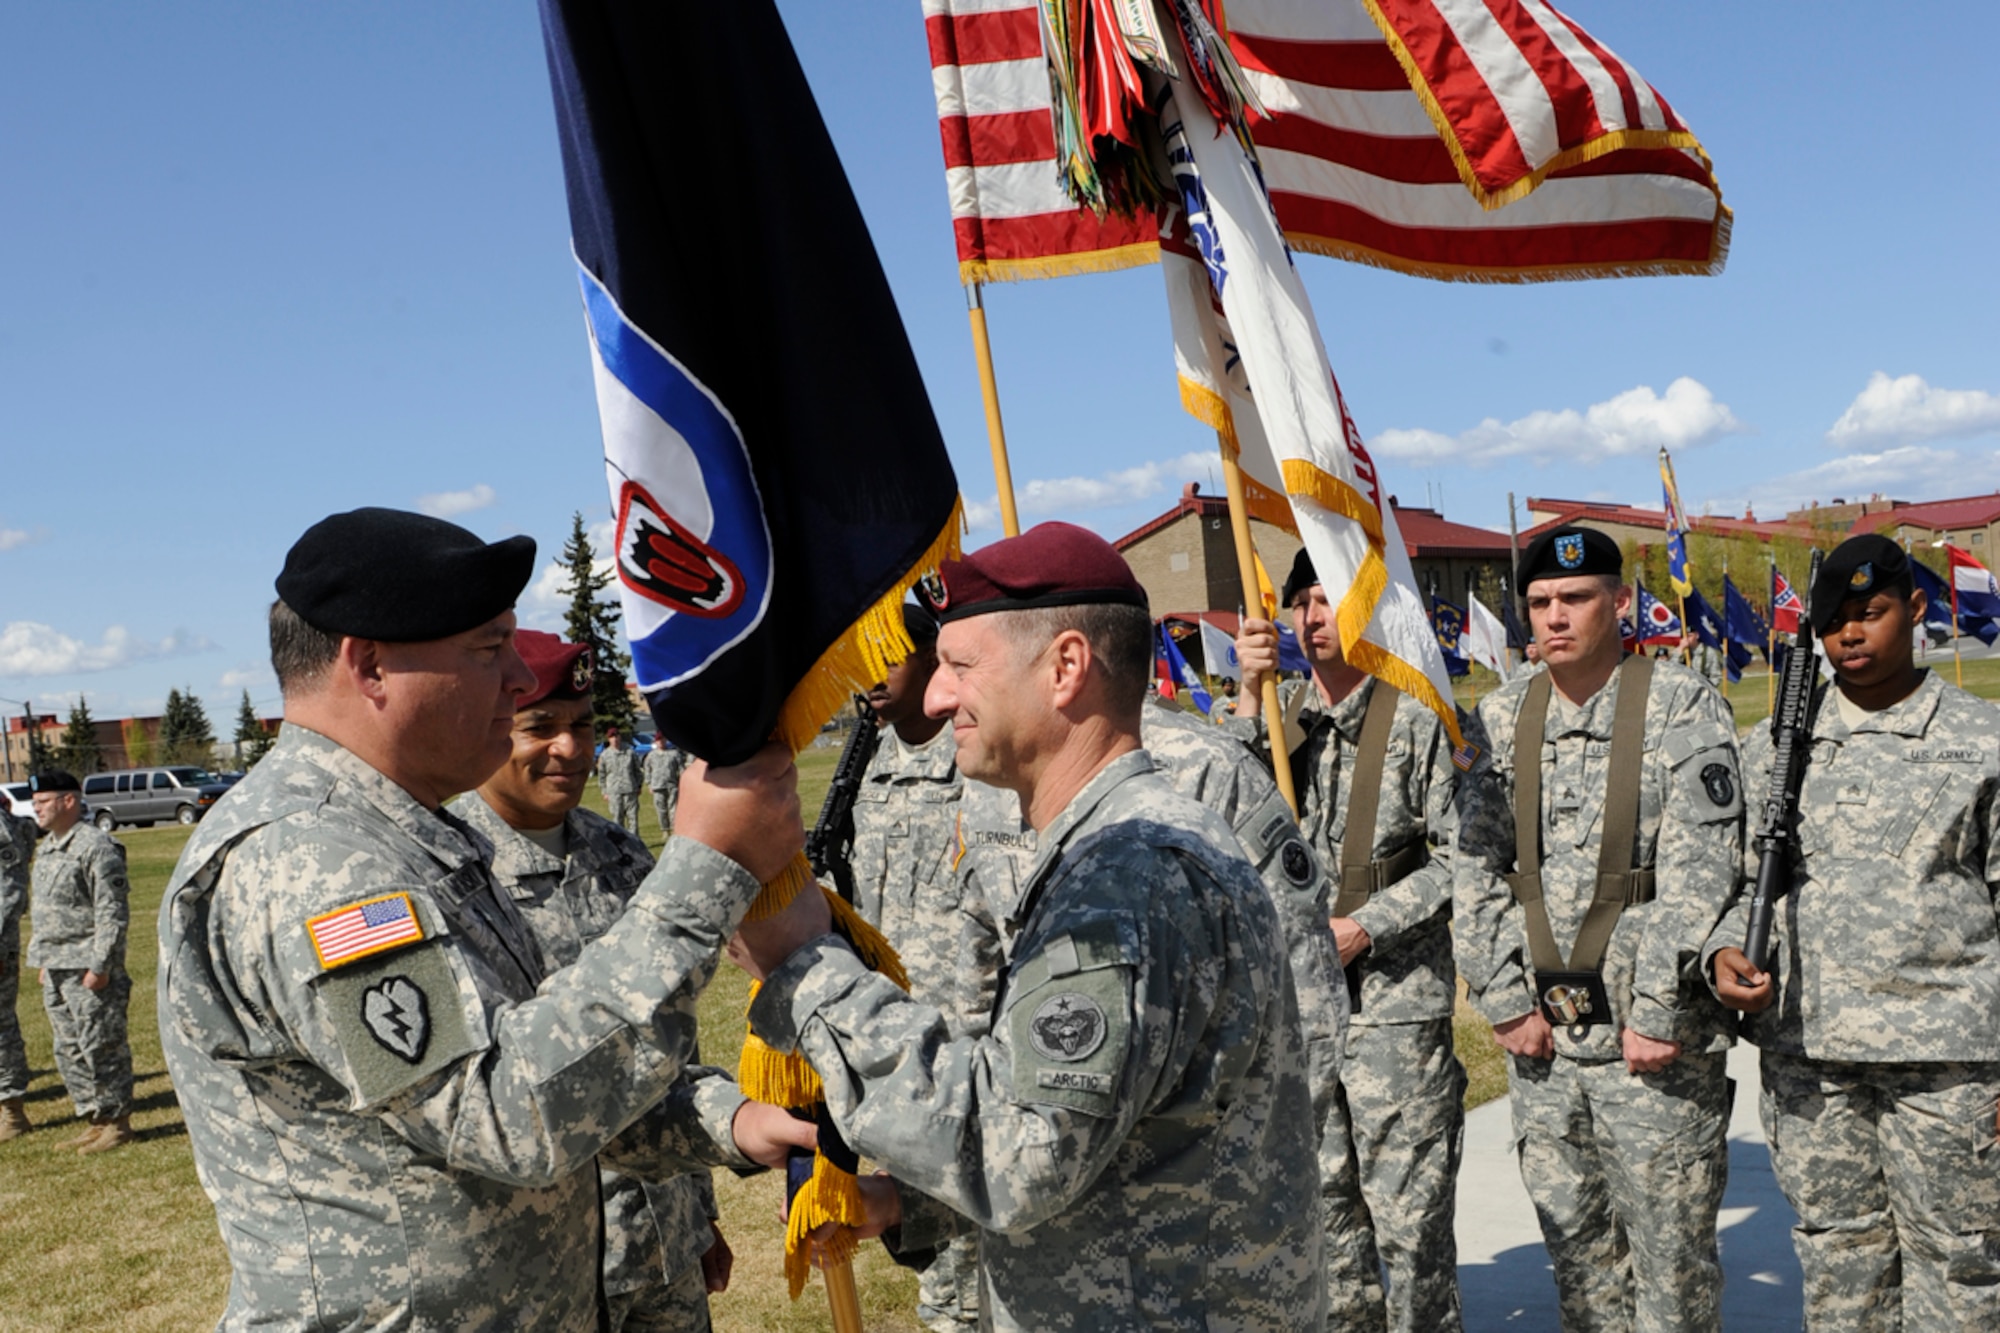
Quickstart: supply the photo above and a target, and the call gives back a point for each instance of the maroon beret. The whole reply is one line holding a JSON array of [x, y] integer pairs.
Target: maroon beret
[[1051, 564], [562, 669]]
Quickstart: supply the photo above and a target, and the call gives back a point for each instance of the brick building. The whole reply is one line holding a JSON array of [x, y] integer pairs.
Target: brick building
[[129, 742], [1186, 557]]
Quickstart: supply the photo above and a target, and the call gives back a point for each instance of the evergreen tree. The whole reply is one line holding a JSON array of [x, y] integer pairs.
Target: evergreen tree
[[78, 750], [593, 620], [40, 756], [185, 735], [252, 741]]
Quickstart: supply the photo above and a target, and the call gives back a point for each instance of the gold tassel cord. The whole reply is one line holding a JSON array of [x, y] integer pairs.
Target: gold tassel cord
[[856, 660]]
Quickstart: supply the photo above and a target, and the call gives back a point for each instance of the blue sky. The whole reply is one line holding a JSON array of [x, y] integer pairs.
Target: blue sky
[[262, 262]]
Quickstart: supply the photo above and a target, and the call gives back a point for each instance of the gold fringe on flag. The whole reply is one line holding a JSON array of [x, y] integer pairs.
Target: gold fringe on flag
[[856, 660]]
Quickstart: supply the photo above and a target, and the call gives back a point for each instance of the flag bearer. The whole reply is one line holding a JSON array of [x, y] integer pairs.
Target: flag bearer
[[1879, 1016], [1377, 785], [1596, 852]]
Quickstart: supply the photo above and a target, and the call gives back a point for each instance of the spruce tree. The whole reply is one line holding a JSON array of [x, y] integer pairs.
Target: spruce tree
[[185, 735], [40, 756], [78, 751], [252, 741], [593, 620]]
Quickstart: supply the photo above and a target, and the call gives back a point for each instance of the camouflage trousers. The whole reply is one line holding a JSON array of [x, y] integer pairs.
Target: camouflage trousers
[[1389, 1180], [663, 806], [93, 1052], [13, 1054], [1626, 1172], [948, 1287], [1894, 1172], [624, 807], [679, 1306]]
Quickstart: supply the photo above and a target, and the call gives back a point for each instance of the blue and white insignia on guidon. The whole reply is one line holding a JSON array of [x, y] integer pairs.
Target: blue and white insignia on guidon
[[692, 549]]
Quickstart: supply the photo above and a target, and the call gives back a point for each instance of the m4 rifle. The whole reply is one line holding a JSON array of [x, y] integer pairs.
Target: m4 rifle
[[830, 845], [1791, 737]]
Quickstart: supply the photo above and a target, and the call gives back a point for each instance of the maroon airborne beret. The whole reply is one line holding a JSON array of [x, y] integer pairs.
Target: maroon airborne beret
[[562, 669], [1051, 564]]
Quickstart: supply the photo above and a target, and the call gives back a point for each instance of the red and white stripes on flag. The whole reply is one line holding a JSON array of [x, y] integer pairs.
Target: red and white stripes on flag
[[363, 928], [1398, 150]]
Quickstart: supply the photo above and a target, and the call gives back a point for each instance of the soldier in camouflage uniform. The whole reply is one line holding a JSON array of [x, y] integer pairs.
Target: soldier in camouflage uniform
[[1877, 1019], [663, 767], [571, 873], [1620, 1126], [618, 777], [1133, 1136], [78, 923], [1390, 1160], [17, 852], [394, 1105], [905, 821]]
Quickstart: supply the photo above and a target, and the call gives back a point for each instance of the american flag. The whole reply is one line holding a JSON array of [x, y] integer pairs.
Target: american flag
[[364, 928], [1785, 605], [1395, 152]]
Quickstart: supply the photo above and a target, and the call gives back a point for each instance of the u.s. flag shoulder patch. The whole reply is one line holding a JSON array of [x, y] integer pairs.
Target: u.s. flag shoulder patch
[[367, 927], [1465, 756]]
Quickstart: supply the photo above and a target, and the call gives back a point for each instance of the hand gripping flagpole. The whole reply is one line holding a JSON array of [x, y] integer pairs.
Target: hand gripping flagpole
[[1246, 570]]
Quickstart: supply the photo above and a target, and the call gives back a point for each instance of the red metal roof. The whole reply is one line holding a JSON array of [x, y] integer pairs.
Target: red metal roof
[[1426, 533], [1605, 511], [1971, 511]]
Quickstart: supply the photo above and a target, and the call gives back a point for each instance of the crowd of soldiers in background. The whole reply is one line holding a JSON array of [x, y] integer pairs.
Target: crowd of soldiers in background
[[1575, 857]]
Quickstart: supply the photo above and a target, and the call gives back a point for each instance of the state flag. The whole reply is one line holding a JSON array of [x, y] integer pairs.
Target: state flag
[[776, 474], [1657, 622]]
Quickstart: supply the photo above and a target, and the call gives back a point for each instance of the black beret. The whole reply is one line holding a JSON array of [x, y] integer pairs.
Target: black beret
[[399, 577], [1566, 552], [1859, 567], [921, 623], [1051, 564], [1302, 577], [54, 779]]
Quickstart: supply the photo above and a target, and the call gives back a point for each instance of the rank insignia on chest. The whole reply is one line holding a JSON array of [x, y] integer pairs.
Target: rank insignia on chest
[[364, 928]]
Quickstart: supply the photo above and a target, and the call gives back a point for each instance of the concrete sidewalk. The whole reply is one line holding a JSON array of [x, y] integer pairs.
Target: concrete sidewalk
[[1503, 1270]]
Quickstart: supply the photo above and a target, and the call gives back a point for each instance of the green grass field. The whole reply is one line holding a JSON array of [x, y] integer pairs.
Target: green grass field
[[127, 1240]]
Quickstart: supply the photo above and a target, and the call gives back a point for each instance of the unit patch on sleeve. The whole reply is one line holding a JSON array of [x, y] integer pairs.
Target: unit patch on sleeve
[[360, 929], [395, 1012], [1067, 1026]]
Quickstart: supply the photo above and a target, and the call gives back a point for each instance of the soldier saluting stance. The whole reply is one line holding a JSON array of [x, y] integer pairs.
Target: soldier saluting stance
[[1879, 1018]]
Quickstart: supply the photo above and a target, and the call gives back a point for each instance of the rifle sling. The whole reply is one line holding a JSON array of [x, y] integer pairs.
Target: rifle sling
[[1360, 876], [1618, 882]]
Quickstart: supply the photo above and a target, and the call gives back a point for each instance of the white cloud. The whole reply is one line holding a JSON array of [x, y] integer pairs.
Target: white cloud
[[1906, 409], [450, 504], [1638, 421], [1909, 472], [12, 537], [1051, 497], [29, 648], [245, 677]]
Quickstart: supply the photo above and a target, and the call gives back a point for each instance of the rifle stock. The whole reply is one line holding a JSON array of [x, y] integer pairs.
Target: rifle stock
[[830, 844], [1791, 736]]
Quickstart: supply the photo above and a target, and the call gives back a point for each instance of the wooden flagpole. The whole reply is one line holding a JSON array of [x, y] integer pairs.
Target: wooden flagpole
[[989, 390], [1246, 569], [1957, 631]]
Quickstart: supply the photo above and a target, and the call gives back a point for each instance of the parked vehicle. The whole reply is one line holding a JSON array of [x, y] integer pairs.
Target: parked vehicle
[[20, 801], [180, 792]]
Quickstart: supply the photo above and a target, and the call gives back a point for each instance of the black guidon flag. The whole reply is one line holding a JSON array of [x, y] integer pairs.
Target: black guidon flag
[[776, 472]]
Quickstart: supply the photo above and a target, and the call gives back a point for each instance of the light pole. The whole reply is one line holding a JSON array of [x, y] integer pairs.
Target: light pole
[[7, 750]]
